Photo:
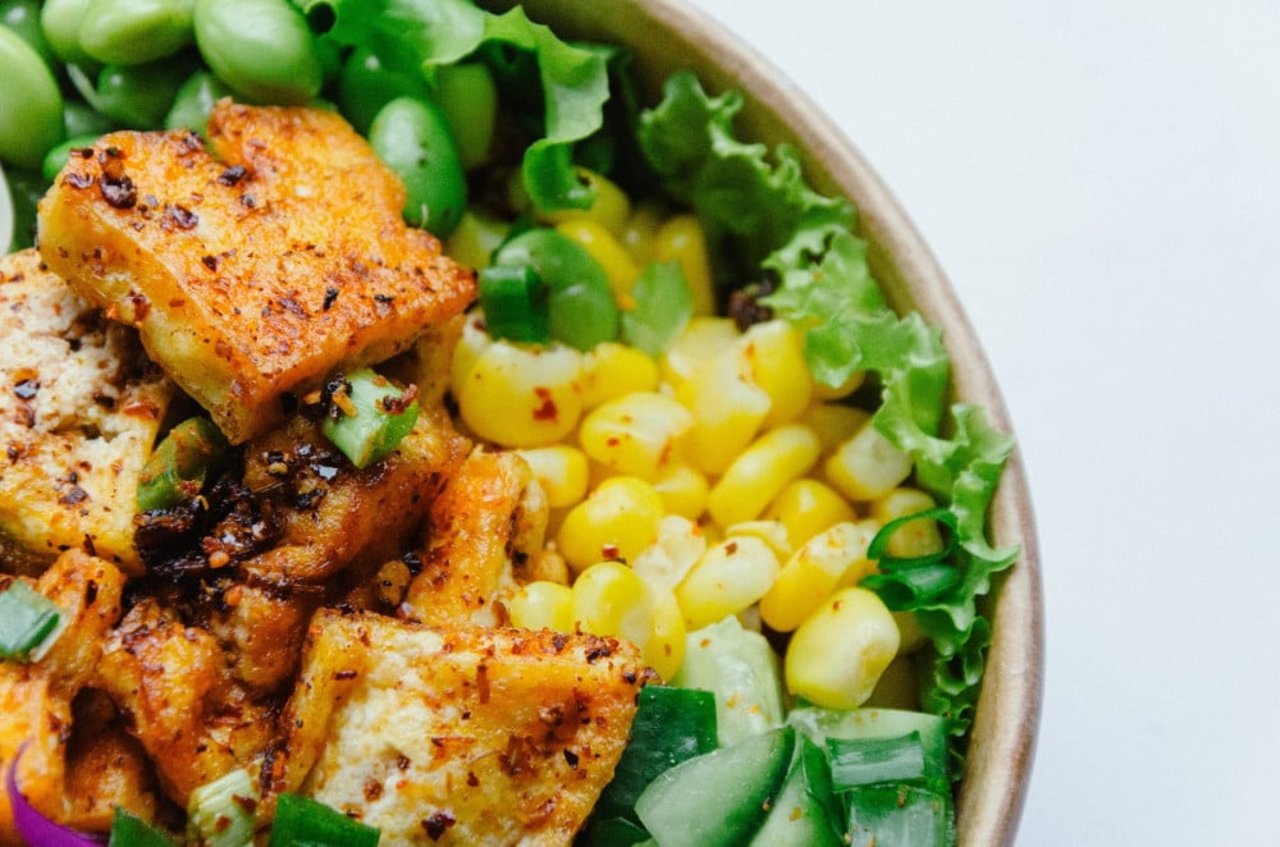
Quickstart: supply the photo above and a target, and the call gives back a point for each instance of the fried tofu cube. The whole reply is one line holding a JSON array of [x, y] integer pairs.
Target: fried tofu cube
[[79, 410], [459, 736], [254, 274]]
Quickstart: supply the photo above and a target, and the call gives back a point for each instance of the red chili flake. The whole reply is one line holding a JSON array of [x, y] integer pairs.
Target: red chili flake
[[27, 388], [210, 262], [372, 790], [437, 824], [78, 180], [609, 551], [547, 411], [482, 682], [330, 297], [181, 216], [73, 495], [118, 191], [232, 175], [402, 762], [345, 675], [731, 547]]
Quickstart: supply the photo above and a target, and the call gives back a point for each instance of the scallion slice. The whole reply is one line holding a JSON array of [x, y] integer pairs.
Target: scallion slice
[[302, 821], [376, 418], [880, 544], [129, 830], [177, 469], [221, 813], [29, 623]]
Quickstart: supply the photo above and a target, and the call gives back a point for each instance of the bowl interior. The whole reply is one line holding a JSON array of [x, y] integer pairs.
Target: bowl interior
[[666, 35]]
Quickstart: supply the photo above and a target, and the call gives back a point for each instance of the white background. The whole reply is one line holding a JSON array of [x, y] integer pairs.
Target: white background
[[1101, 180]]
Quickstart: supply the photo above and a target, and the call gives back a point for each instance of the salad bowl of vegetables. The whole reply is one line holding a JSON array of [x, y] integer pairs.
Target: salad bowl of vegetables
[[518, 424]]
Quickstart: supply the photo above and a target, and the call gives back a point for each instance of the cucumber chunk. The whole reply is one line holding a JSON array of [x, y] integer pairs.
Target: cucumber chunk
[[899, 816], [866, 761], [671, 725], [822, 724], [741, 669], [803, 815], [719, 799]]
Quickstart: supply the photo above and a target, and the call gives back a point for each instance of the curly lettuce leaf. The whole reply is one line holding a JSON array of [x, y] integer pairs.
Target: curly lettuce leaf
[[575, 80], [825, 286]]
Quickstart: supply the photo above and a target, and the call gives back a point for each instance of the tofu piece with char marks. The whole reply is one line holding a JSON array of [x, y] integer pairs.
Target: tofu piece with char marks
[[255, 274], [79, 411], [458, 736]]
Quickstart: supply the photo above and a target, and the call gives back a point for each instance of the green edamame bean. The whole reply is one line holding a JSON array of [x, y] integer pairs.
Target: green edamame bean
[[56, 159], [60, 20], [23, 17], [262, 49], [139, 96], [194, 102], [583, 310], [412, 137], [368, 83], [468, 97], [30, 103], [80, 119], [132, 32]]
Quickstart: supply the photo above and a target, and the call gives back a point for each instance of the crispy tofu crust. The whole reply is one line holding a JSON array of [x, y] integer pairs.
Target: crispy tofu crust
[[79, 412], [458, 736], [36, 699], [256, 274]]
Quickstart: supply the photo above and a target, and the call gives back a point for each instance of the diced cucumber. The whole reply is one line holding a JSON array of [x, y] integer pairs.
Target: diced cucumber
[[899, 816], [866, 761], [720, 799], [803, 815], [671, 726], [741, 669], [821, 724]]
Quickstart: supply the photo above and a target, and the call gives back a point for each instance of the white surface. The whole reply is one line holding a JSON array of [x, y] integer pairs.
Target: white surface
[[1102, 182]]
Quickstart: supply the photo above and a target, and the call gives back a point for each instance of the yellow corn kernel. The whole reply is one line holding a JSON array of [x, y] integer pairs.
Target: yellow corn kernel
[[665, 650], [761, 472], [618, 267], [475, 239], [640, 235], [610, 599], [612, 370], [913, 637], [867, 466], [837, 655], [473, 341], [775, 354], [806, 507], [561, 470], [728, 409], [772, 533], [540, 605], [898, 688], [728, 578], [682, 239], [701, 340], [616, 521], [844, 389], [833, 423], [610, 209], [668, 560], [635, 434], [683, 490], [523, 397], [913, 538], [818, 568]]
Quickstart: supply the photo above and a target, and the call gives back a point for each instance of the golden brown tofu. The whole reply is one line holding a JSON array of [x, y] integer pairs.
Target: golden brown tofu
[[36, 698], [485, 526], [79, 411], [459, 736], [256, 274]]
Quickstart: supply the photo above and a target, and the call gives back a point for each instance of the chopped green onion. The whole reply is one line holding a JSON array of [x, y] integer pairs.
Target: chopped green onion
[[374, 420], [129, 830], [899, 816], [29, 623], [302, 822], [221, 813], [867, 761], [663, 306], [876, 549], [908, 588], [515, 303], [177, 469]]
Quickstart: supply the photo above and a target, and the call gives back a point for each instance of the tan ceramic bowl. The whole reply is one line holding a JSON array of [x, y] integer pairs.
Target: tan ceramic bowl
[[666, 35]]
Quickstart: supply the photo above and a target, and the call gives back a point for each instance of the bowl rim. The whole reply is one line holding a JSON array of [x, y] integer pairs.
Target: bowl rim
[[1002, 745]]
